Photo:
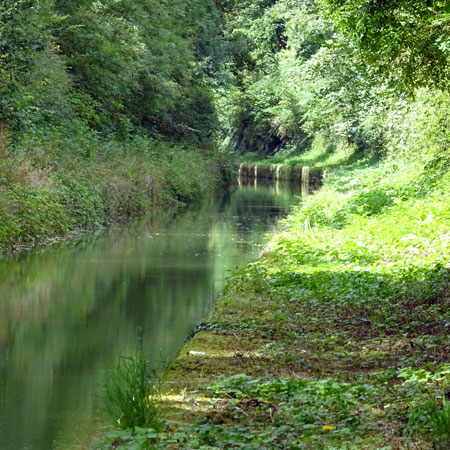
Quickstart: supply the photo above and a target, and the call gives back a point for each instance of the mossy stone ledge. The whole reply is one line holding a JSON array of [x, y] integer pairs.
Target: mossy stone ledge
[[281, 172]]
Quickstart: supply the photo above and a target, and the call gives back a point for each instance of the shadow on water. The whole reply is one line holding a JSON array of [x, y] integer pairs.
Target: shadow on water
[[69, 311]]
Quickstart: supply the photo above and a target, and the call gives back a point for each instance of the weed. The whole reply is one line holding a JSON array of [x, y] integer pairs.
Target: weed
[[440, 423], [132, 393]]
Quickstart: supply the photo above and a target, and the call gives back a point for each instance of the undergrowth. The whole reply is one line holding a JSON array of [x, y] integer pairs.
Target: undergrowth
[[322, 153], [48, 189]]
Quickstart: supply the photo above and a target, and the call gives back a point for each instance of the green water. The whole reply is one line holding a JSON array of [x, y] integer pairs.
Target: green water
[[69, 311]]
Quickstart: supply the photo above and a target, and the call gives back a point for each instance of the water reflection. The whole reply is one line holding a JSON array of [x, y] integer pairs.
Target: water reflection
[[67, 312]]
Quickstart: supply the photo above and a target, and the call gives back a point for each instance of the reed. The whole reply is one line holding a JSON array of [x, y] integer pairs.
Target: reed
[[132, 393]]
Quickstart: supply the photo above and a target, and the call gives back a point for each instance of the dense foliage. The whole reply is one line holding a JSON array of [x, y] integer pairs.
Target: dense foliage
[[407, 41], [46, 194], [293, 77], [262, 76], [337, 70], [114, 67], [101, 106]]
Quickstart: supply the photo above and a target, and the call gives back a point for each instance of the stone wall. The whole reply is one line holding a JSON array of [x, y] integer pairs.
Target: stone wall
[[306, 176]]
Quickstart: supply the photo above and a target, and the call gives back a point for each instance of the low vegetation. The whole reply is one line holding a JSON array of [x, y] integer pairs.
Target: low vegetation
[[46, 193], [131, 392]]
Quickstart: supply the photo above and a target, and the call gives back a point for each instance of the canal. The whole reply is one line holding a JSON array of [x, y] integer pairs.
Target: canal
[[69, 311]]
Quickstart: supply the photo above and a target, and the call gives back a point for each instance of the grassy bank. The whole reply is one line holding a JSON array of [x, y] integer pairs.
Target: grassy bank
[[323, 153], [337, 337], [52, 188]]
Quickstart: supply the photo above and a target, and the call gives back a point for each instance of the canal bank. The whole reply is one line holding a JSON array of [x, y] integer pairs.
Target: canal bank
[[336, 337], [47, 193]]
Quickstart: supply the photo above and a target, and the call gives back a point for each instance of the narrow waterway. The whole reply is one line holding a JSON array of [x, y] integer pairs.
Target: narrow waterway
[[69, 311]]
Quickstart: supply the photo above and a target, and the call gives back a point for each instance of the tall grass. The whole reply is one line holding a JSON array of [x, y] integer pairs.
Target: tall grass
[[132, 393], [48, 189], [440, 425]]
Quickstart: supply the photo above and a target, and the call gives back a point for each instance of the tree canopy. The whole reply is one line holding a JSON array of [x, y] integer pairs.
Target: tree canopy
[[261, 75]]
